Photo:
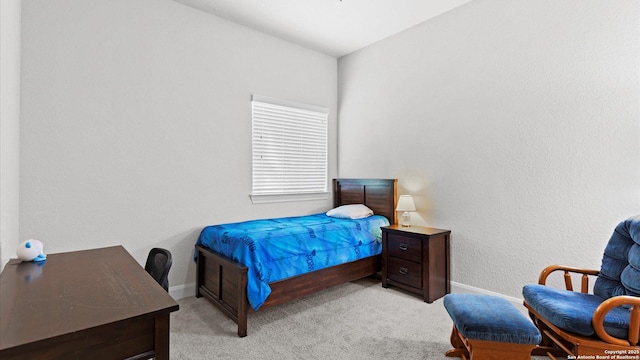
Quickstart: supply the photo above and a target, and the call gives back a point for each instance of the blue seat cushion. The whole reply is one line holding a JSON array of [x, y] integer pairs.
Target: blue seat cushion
[[490, 318], [572, 311]]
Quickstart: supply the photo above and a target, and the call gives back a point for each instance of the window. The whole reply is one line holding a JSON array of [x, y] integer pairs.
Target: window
[[289, 149]]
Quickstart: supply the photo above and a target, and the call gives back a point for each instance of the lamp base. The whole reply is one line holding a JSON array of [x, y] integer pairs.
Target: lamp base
[[406, 219]]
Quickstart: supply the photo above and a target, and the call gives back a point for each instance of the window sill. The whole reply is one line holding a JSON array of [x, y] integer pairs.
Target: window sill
[[273, 198]]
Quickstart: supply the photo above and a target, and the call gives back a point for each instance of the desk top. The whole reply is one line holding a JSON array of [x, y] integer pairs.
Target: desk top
[[75, 291]]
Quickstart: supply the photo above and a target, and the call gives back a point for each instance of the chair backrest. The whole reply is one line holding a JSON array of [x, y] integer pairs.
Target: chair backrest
[[158, 266], [620, 270]]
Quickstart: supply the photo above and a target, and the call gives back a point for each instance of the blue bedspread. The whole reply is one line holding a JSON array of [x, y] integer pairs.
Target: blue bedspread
[[276, 249]]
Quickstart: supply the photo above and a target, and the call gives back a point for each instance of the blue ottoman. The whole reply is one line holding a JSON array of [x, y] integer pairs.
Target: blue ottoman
[[489, 327]]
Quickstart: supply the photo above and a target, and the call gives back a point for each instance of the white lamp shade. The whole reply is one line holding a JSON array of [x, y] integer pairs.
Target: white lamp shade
[[405, 203]]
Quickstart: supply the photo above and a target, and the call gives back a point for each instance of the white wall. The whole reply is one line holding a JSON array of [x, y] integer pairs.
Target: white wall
[[136, 123], [515, 124], [9, 127]]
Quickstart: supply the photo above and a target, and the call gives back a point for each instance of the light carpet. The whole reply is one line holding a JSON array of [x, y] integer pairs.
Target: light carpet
[[357, 320]]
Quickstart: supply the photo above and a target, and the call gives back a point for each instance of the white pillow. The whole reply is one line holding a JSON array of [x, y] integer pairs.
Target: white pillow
[[353, 211]]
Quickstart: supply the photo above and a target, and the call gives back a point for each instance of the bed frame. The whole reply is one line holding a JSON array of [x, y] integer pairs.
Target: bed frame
[[223, 281]]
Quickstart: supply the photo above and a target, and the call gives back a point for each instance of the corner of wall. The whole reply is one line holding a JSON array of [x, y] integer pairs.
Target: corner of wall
[[10, 13]]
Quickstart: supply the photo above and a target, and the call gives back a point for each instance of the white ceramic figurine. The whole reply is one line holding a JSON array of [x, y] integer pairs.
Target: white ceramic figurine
[[31, 250]]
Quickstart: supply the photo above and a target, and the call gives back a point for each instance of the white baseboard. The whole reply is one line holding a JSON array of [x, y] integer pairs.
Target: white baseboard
[[186, 290], [182, 291]]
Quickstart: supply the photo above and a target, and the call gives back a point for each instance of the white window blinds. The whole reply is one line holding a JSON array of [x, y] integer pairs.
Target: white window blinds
[[289, 142]]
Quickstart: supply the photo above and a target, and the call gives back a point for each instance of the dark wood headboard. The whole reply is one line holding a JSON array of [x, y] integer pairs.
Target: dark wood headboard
[[380, 195]]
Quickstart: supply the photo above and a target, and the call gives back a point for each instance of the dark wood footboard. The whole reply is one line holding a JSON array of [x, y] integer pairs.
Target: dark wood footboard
[[224, 283]]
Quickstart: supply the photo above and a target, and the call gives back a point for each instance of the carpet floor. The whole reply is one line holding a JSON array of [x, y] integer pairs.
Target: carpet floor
[[357, 320]]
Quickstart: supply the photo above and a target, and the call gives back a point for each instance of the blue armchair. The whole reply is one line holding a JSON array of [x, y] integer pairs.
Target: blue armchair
[[606, 322]]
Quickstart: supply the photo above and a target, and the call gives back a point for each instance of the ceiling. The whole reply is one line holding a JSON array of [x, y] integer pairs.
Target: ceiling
[[333, 27]]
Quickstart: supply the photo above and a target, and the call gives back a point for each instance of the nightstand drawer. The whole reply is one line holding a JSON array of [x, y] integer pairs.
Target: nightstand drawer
[[406, 272], [405, 247]]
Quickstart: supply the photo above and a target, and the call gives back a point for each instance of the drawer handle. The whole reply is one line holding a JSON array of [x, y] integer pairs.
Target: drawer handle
[[403, 271], [404, 247]]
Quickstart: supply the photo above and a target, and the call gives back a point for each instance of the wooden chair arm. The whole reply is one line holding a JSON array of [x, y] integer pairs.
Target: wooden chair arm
[[542, 280], [634, 320]]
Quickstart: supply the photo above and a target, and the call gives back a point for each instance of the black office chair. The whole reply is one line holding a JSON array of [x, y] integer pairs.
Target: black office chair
[[158, 266]]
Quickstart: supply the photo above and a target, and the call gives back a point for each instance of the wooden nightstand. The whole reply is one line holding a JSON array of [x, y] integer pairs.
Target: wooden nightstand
[[416, 259]]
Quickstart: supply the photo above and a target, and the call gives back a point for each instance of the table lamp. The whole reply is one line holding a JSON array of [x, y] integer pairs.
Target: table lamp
[[406, 204]]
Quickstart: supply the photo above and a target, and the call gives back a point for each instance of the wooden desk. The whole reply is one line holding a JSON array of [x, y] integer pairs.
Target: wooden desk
[[92, 304]]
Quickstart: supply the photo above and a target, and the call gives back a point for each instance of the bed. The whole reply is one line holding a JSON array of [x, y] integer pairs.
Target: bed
[[223, 280]]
